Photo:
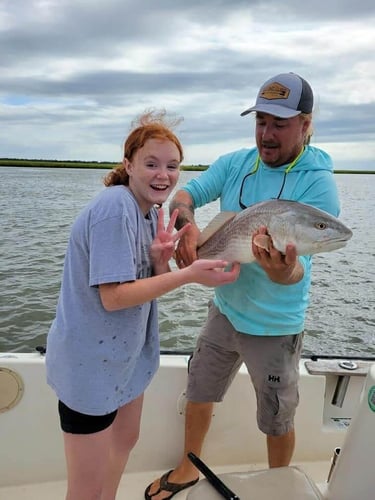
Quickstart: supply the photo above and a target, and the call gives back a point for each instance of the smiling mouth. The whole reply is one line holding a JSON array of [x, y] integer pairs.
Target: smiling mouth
[[159, 187]]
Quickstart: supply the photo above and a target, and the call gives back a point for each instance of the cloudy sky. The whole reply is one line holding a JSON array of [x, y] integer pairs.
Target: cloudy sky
[[74, 73]]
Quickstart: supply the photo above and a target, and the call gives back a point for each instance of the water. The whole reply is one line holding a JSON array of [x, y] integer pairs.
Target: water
[[38, 206]]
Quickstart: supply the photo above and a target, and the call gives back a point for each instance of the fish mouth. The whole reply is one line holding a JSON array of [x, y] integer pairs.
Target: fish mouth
[[343, 239], [335, 244]]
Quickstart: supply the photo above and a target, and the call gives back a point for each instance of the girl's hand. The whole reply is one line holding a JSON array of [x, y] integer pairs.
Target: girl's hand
[[213, 272], [163, 246]]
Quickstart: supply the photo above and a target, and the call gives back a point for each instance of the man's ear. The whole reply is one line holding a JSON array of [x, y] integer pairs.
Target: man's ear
[[305, 126]]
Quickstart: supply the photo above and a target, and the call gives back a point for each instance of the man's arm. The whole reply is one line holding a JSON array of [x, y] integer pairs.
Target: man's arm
[[183, 202], [186, 251]]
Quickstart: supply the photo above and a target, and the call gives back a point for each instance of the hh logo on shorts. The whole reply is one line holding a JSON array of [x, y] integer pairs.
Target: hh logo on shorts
[[273, 378]]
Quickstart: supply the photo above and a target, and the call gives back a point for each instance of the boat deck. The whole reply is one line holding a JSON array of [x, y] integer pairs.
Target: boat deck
[[133, 484]]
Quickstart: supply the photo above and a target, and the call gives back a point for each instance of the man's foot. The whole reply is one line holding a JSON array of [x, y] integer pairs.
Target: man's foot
[[162, 489]]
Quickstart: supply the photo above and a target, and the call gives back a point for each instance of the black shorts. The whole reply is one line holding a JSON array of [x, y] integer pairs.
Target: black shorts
[[73, 422]]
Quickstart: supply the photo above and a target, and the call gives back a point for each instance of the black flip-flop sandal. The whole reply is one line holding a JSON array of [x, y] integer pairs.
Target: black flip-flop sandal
[[165, 485]]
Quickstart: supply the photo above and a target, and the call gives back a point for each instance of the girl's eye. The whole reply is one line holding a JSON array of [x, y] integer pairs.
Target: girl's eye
[[151, 165], [173, 167]]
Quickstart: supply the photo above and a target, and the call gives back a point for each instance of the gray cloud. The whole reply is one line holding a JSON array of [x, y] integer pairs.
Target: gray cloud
[[80, 69]]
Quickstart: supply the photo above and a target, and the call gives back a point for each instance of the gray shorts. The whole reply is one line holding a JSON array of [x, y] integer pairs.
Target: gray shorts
[[272, 363]]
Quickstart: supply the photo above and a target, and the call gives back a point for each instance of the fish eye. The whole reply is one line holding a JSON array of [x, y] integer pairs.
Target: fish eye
[[321, 225]]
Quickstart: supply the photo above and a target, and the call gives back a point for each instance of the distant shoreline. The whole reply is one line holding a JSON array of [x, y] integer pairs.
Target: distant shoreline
[[15, 162]]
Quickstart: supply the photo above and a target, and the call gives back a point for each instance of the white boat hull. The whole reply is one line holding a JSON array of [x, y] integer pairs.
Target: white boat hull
[[31, 451]]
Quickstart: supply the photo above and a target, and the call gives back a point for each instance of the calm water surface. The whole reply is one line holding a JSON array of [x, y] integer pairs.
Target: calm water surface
[[38, 206]]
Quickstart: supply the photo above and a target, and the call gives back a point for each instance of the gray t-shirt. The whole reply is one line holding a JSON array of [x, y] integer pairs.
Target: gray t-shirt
[[96, 360]]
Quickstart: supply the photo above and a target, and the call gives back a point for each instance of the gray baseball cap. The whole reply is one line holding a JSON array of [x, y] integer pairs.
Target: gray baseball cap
[[285, 95]]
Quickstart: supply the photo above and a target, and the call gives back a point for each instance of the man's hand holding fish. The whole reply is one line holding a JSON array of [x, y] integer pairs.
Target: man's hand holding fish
[[281, 268]]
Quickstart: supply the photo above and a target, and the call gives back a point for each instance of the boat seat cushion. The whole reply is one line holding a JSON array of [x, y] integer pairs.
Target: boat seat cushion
[[282, 483]]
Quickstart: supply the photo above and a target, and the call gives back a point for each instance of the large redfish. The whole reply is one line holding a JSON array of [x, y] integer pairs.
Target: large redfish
[[228, 236]]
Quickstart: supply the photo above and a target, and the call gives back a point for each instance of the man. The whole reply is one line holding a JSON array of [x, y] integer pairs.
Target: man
[[259, 319]]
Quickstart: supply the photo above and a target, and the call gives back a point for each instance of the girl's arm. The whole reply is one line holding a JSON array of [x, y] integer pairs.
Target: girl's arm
[[116, 296]]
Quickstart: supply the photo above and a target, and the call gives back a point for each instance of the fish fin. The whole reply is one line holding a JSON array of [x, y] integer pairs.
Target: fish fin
[[262, 241], [216, 223]]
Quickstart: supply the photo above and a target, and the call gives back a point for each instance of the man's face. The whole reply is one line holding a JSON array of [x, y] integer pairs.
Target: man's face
[[279, 140]]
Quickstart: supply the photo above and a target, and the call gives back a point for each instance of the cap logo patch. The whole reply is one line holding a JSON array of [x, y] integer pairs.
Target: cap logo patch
[[275, 91]]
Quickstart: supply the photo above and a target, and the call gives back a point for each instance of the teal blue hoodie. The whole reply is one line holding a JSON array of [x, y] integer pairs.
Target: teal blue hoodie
[[254, 304]]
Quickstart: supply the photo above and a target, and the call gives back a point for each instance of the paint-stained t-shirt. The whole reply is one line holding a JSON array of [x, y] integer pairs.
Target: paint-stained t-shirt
[[96, 360]]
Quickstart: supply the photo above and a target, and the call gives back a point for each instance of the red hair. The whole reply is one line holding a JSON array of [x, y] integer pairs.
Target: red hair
[[150, 125]]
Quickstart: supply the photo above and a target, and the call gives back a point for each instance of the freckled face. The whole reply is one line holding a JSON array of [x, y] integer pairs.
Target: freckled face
[[153, 172], [279, 140]]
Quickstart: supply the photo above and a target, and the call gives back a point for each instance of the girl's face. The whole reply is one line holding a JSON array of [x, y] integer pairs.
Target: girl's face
[[153, 172]]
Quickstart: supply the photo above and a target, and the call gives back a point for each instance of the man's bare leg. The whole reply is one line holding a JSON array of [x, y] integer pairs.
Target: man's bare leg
[[197, 422], [280, 449]]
